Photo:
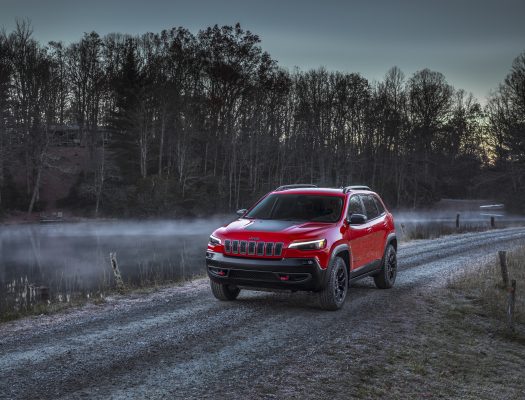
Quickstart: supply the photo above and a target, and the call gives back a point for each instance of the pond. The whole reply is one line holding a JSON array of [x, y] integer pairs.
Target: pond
[[54, 262]]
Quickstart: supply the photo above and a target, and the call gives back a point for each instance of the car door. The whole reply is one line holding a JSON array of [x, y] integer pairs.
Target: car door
[[356, 234], [374, 229], [381, 227]]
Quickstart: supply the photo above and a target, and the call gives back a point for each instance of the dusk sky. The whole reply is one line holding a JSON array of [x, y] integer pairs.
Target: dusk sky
[[472, 42]]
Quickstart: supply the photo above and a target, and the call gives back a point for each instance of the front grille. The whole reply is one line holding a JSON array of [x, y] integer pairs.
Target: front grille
[[243, 247], [252, 275]]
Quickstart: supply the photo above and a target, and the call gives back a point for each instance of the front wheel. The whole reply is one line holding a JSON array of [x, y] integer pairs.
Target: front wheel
[[223, 291], [387, 276], [333, 296]]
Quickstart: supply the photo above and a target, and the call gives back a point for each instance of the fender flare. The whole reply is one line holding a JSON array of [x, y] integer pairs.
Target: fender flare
[[391, 237], [339, 248]]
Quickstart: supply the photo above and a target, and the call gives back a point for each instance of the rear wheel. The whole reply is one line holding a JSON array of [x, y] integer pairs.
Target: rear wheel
[[387, 276], [333, 296], [224, 292]]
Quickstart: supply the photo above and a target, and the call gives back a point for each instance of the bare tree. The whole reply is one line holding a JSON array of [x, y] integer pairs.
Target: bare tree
[[5, 81], [506, 112], [430, 101], [32, 92]]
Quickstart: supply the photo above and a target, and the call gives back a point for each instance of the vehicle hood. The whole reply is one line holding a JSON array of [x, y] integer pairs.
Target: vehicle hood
[[259, 229]]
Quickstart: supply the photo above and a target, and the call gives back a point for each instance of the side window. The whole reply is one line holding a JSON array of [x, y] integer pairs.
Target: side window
[[355, 206], [370, 206], [379, 205]]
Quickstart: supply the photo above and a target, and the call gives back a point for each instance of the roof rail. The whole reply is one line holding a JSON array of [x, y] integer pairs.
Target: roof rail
[[355, 187], [296, 186]]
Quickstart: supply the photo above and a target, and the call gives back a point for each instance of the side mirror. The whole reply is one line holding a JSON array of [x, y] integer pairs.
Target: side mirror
[[357, 219], [241, 212]]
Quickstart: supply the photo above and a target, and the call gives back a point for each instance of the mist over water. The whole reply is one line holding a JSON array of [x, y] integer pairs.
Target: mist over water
[[73, 258], [428, 224]]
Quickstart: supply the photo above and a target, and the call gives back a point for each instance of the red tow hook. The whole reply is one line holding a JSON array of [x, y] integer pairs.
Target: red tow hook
[[284, 277], [221, 273]]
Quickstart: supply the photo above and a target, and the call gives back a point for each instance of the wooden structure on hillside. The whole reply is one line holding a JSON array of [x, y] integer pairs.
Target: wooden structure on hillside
[[70, 135]]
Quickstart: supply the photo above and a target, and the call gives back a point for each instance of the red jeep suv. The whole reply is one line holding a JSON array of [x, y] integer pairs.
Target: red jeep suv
[[300, 237]]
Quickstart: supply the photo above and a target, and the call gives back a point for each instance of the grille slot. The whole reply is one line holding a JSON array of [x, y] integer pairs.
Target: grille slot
[[251, 248], [243, 247], [269, 248], [235, 246], [260, 248], [227, 246], [278, 249]]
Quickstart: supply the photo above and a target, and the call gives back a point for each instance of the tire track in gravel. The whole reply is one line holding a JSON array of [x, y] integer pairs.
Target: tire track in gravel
[[182, 342]]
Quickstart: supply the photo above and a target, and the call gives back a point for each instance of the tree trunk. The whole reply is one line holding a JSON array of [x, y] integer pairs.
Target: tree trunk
[[161, 144], [100, 183], [36, 187]]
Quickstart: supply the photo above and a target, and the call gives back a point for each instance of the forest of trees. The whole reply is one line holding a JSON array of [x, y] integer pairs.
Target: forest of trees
[[183, 124]]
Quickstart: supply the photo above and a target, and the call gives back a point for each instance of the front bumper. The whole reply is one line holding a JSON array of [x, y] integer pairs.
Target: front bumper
[[285, 273]]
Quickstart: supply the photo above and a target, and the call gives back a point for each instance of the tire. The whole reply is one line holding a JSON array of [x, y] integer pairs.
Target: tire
[[387, 276], [333, 296], [224, 292]]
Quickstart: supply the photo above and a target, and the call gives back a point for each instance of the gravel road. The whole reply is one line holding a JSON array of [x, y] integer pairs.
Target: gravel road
[[182, 343]]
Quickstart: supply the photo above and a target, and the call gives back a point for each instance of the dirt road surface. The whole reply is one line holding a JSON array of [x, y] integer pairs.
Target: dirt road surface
[[181, 343]]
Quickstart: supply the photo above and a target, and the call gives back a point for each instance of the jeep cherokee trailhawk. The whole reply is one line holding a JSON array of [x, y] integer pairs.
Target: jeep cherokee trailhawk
[[300, 237]]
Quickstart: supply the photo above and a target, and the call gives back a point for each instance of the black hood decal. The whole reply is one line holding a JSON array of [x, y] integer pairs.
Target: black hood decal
[[269, 225]]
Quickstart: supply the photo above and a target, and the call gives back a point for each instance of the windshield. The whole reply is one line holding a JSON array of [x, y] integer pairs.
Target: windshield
[[298, 207]]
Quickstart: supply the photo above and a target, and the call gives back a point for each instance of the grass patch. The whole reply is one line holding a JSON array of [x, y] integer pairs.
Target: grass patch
[[145, 287], [484, 287], [433, 230], [44, 309]]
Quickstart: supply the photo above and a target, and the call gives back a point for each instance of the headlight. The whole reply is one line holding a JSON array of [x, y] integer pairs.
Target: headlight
[[310, 245], [214, 240]]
